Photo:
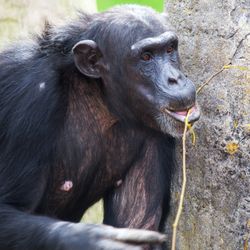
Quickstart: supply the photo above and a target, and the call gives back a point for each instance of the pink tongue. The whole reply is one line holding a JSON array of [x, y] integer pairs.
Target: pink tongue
[[183, 113]]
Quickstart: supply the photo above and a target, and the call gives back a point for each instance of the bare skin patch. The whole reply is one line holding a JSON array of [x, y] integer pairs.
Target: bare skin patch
[[42, 86], [67, 186], [118, 183]]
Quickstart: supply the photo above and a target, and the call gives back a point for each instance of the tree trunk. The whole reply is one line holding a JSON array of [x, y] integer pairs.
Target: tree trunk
[[216, 213]]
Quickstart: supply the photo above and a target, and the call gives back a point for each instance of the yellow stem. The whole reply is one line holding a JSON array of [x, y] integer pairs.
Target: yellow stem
[[188, 126], [184, 180]]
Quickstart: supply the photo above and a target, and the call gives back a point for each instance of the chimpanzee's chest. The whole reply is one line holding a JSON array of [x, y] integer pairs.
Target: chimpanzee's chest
[[97, 165]]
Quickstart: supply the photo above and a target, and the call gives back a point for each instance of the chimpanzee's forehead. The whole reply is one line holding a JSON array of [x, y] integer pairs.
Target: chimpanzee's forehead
[[136, 18], [128, 24]]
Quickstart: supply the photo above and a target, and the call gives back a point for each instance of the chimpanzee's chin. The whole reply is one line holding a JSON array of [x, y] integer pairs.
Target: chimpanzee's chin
[[170, 126]]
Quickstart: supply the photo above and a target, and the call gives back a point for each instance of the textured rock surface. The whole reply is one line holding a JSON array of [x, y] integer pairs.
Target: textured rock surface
[[217, 203]]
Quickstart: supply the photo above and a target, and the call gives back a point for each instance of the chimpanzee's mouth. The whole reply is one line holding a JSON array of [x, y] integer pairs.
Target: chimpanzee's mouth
[[181, 115]]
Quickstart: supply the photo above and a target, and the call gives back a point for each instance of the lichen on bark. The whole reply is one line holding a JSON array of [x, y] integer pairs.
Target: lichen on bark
[[217, 203]]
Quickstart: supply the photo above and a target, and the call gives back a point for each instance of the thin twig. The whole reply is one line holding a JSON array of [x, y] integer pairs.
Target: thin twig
[[184, 180], [210, 79], [226, 66]]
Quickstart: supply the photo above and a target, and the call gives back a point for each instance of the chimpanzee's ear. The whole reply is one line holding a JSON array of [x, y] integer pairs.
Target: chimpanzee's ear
[[86, 57]]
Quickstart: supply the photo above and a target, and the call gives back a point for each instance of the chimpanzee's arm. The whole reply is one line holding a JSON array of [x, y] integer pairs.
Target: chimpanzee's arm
[[142, 199], [22, 231]]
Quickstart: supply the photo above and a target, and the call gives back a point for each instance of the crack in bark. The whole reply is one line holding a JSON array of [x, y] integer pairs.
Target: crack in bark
[[239, 46]]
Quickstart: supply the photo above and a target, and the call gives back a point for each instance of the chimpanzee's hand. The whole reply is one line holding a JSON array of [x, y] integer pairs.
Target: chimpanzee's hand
[[101, 237]]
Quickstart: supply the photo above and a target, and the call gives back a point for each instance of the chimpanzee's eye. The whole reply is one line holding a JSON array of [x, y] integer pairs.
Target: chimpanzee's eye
[[170, 49], [146, 56]]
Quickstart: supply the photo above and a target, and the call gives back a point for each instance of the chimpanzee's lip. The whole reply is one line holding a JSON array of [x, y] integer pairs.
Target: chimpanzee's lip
[[181, 115]]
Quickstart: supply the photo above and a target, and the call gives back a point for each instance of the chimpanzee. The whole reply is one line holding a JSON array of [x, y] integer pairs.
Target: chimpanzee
[[90, 110]]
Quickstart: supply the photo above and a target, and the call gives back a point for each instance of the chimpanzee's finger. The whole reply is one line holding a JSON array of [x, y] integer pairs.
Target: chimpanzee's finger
[[107, 244], [137, 236]]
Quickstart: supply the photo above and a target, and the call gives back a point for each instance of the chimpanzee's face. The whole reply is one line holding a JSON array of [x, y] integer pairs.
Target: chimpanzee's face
[[140, 68], [160, 92]]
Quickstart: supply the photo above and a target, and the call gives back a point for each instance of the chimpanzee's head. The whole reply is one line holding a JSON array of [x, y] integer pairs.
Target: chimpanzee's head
[[135, 53]]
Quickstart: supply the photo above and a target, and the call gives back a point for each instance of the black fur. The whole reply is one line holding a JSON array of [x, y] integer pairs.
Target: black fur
[[57, 125]]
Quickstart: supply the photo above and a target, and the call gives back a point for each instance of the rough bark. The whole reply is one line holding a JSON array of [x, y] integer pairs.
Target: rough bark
[[217, 203]]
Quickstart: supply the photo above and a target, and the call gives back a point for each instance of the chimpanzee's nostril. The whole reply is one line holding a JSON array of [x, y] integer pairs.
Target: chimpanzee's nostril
[[172, 80]]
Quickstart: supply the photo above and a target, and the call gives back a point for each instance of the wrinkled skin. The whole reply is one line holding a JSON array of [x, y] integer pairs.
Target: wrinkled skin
[[88, 111], [146, 75]]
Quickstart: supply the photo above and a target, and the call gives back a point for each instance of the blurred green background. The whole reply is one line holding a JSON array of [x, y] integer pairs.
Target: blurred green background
[[105, 4]]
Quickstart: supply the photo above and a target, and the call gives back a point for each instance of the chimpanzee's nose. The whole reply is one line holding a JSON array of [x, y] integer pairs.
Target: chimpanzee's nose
[[172, 80], [173, 76]]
